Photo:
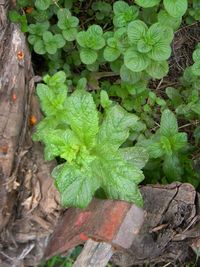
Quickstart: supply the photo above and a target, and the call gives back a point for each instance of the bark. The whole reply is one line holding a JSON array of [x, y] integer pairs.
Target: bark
[[29, 203]]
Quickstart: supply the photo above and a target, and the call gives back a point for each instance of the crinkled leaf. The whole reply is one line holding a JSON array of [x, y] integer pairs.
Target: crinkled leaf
[[63, 143], [51, 102], [111, 54], [178, 141], [76, 185], [165, 19], [154, 149], [176, 8], [115, 127], [88, 56], [174, 96], [138, 156], [39, 47], [195, 68], [82, 116], [135, 61], [172, 168], [147, 3], [160, 51], [129, 76], [59, 40], [119, 179], [168, 124], [70, 34], [166, 145], [42, 4], [123, 14], [38, 28], [158, 70], [196, 55], [136, 30]]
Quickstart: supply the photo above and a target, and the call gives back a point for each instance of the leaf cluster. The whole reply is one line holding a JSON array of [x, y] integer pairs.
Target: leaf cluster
[[90, 143]]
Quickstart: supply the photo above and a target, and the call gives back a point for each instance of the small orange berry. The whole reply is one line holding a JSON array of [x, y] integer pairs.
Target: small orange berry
[[28, 10], [20, 55], [14, 97], [33, 120]]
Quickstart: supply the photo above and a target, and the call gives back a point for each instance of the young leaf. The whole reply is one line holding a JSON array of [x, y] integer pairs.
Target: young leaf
[[168, 124], [82, 116], [176, 8], [136, 30], [135, 61], [76, 185], [42, 4], [158, 70], [88, 56], [115, 127], [147, 3], [137, 156]]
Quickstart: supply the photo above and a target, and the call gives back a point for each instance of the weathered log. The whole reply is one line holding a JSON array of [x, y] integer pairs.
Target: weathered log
[[29, 204]]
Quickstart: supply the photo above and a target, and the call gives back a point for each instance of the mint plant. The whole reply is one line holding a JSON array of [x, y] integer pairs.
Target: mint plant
[[89, 143], [68, 24], [123, 14], [166, 144], [108, 98], [90, 41]]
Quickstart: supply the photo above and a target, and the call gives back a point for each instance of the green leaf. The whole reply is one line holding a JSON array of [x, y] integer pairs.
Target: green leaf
[[143, 46], [174, 96], [160, 51], [137, 156], [166, 145], [154, 149], [33, 39], [57, 80], [147, 3], [136, 31], [63, 143], [135, 61], [82, 116], [196, 55], [38, 28], [176, 8], [70, 34], [88, 56], [51, 102], [115, 127], [129, 76], [76, 185], [92, 38], [111, 54], [178, 141], [158, 70], [104, 99], [166, 20], [60, 42], [119, 178], [168, 124], [195, 68], [123, 14], [158, 32], [42, 4], [39, 47], [172, 168]]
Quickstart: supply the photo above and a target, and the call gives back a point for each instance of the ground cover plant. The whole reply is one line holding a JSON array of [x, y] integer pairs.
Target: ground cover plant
[[116, 110], [102, 113]]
